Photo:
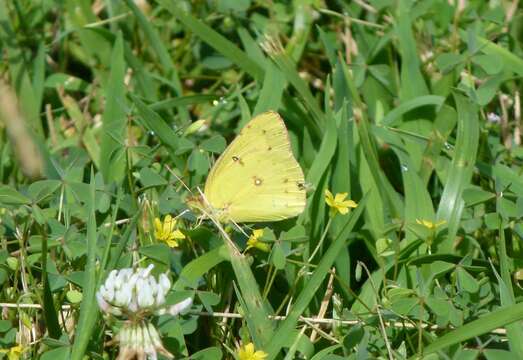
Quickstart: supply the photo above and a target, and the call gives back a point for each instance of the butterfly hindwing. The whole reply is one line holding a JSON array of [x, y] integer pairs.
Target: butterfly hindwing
[[257, 177]]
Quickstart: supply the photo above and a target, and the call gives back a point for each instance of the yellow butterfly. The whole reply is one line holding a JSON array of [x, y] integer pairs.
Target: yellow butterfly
[[256, 178]]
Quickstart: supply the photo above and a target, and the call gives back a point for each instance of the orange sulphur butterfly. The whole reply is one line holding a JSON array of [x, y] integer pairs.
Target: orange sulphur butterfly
[[256, 178]]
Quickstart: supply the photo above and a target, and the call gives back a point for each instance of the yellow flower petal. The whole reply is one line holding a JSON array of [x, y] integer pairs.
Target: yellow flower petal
[[338, 203], [172, 243], [247, 353], [343, 210], [340, 197], [260, 355], [348, 204], [254, 242], [167, 224], [177, 234], [166, 231], [429, 224], [157, 226], [329, 199]]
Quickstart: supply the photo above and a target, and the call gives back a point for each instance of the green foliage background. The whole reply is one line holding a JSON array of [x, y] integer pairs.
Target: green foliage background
[[411, 107]]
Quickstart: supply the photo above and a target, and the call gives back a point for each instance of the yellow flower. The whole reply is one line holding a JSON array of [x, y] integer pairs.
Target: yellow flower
[[254, 241], [429, 224], [247, 353], [13, 353], [167, 231], [338, 203]]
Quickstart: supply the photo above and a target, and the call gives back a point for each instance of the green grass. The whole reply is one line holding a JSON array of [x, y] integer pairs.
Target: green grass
[[389, 101]]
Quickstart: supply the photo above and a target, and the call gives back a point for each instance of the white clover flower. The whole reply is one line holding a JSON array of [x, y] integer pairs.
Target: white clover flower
[[128, 291], [164, 282], [134, 295], [123, 296]]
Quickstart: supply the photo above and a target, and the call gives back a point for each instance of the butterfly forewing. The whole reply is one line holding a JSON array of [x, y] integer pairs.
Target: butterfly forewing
[[257, 177]]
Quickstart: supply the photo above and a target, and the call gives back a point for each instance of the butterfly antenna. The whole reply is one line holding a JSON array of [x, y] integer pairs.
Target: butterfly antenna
[[239, 228], [178, 178], [182, 213]]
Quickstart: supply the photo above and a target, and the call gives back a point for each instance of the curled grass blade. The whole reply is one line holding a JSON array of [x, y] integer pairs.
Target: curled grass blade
[[395, 115], [460, 172]]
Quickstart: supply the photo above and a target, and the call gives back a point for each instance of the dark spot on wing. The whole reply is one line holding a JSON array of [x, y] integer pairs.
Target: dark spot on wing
[[301, 186], [237, 159], [257, 181]]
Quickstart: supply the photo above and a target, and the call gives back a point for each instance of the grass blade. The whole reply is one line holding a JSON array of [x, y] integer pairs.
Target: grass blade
[[215, 40], [50, 314], [493, 320], [386, 191], [182, 101], [316, 279], [112, 148], [200, 266], [412, 81], [154, 122], [256, 314], [507, 297], [271, 92], [88, 308], [157, 44], [511, 61], [317, 123]]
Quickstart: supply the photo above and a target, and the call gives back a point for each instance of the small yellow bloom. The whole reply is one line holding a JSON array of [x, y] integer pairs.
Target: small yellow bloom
[[167, 232], [247, 353], [429, 224], [338, 203], [13, 353], [254, 241]]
